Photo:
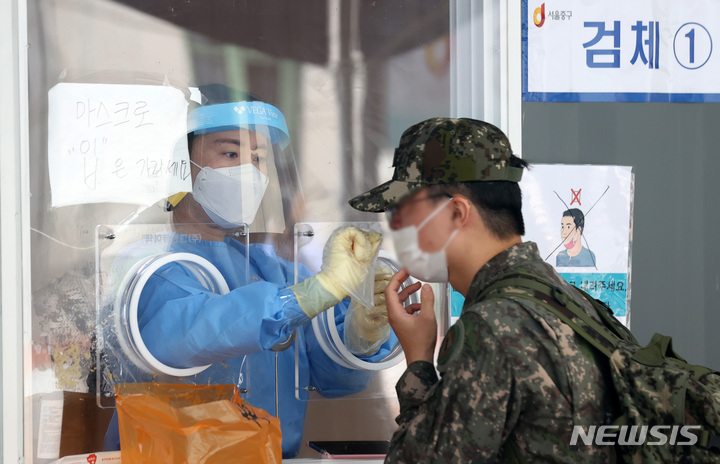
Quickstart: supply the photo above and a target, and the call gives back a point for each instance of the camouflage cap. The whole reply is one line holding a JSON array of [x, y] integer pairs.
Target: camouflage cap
[[442, 151]]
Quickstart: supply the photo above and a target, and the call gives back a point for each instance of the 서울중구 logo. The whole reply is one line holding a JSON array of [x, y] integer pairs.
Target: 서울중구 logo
[[539, 15]]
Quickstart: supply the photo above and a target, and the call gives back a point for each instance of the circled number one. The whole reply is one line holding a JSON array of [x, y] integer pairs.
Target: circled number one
[[691, 39]]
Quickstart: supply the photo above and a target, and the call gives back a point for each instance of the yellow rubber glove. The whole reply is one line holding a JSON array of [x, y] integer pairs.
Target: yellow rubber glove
[[366, 329], [347, 257]]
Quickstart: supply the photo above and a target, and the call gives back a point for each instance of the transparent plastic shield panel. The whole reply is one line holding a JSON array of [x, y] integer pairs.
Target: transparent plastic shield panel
[[348, 77], [149, 276], [377, 368]]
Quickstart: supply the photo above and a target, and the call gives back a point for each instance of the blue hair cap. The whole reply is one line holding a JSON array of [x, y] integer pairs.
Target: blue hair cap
[[243, 114]]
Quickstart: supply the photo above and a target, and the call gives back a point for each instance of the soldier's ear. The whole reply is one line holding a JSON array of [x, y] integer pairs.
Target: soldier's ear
[[461, 210]]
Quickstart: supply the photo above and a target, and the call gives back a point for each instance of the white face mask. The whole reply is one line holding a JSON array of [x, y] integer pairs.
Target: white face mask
[[428, 267], [230, 196]]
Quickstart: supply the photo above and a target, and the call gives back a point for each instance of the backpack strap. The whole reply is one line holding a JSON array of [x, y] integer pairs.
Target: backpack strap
[[559, 303]]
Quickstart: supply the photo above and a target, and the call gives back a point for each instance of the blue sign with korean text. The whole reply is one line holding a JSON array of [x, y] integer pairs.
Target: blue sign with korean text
[[610, 288]]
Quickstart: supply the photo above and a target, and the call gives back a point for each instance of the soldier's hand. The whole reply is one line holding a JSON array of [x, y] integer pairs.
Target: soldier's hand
[[415, 324]]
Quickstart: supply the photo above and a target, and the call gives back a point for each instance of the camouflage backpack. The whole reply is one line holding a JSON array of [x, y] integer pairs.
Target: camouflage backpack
[[668, 410]]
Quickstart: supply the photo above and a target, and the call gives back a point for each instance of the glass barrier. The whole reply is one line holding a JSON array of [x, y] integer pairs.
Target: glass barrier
[[139, 268], [371, 359], [111, 86]]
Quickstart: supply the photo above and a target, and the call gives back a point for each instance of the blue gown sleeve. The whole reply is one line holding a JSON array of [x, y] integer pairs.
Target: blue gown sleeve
[[185, 325]]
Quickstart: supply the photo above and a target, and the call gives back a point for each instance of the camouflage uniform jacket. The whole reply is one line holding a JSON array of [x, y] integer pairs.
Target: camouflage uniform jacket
[[513, 379]]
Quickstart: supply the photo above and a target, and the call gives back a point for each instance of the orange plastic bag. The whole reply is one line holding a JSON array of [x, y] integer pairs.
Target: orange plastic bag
[[194, 424]]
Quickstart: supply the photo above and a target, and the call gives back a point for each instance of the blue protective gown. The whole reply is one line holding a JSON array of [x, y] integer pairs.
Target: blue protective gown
[[184, 325]]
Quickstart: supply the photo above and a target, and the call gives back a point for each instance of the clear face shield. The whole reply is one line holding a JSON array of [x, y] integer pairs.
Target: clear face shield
[[243, 167]]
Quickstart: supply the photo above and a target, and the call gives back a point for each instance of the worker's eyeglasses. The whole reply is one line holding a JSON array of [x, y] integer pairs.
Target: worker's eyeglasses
[[390, 212]]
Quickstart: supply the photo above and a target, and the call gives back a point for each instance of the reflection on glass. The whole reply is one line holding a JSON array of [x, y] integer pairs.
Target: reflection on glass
[[348, 77]]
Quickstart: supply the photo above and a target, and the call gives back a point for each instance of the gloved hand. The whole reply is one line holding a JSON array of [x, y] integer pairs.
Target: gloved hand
[[347, 257], [366, 329]]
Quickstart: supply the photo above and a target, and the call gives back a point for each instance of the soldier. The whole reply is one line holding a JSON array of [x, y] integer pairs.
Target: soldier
[[514, 378]]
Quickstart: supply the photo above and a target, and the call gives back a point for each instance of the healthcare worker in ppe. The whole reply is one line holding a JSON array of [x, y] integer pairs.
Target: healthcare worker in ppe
[[243, 173]]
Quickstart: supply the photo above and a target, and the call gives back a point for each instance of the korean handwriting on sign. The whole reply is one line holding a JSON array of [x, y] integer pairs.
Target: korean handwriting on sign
[[647, 44], [99, 113], [152, 167], [89, 148], [95, 114], [119, 115]]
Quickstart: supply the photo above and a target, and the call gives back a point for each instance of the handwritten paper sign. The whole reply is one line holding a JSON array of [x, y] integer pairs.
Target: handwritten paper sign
[[116, 143]]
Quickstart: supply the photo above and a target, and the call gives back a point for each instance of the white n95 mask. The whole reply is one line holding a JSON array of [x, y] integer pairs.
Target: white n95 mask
[[230, 196], [428, 267]]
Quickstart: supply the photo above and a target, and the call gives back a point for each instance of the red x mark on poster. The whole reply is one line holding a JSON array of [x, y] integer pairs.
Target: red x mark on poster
[[576, 196]]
